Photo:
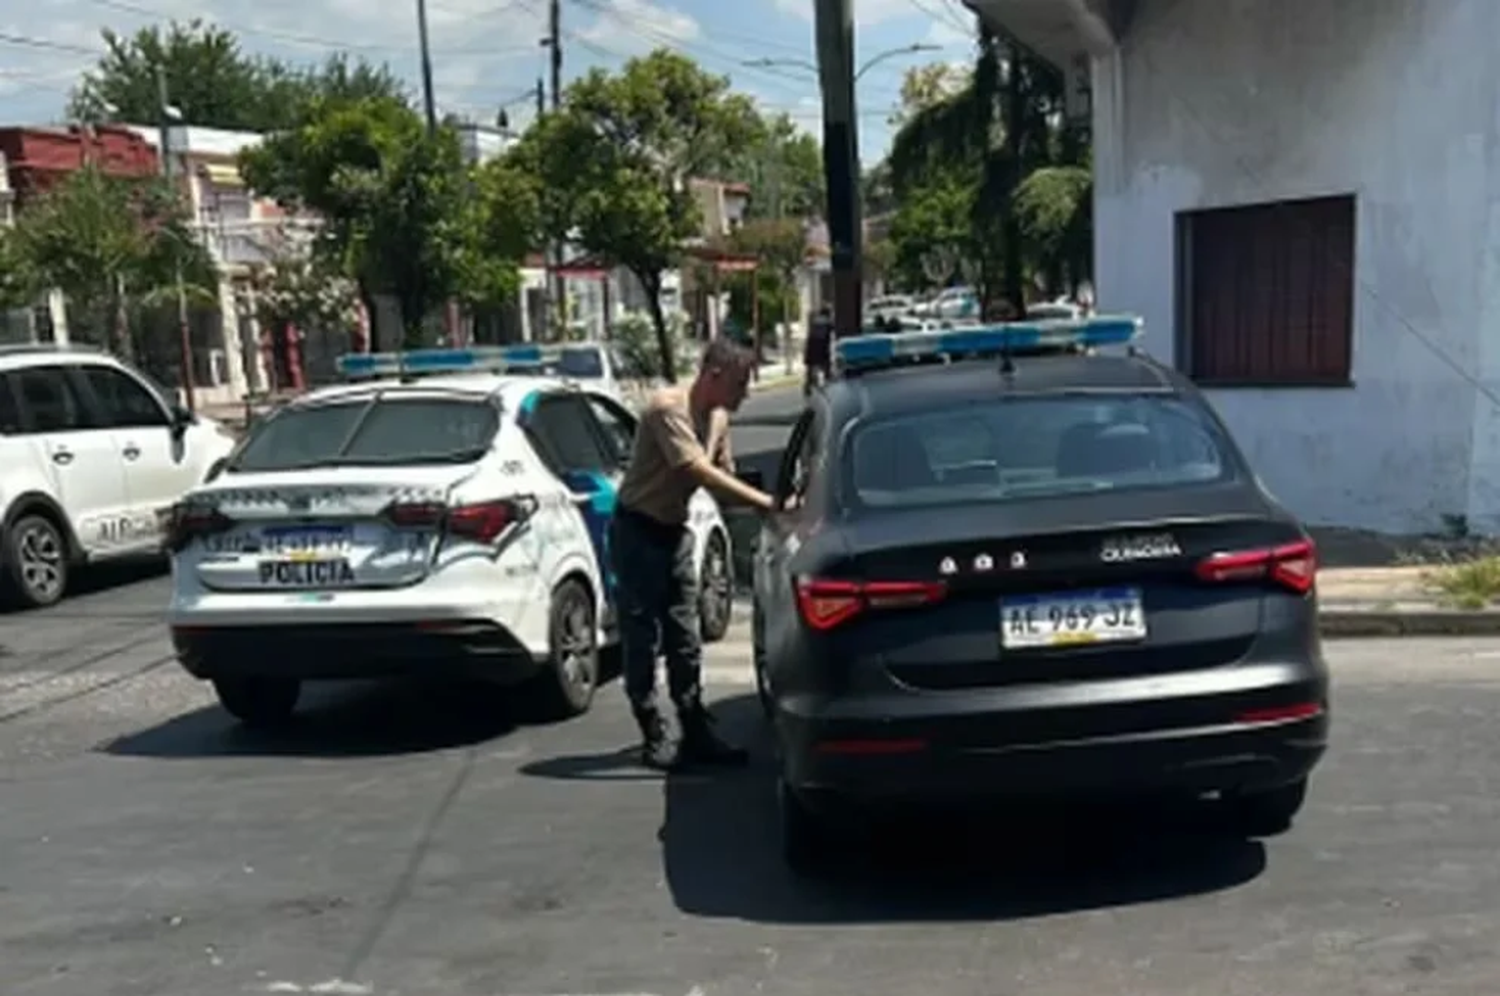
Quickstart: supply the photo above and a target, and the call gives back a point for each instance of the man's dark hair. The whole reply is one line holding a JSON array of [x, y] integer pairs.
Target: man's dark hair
[[726, 354]]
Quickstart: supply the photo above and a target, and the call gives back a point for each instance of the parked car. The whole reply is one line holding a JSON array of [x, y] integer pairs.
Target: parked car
[[448, 523], [93, 453], [1014, 569]]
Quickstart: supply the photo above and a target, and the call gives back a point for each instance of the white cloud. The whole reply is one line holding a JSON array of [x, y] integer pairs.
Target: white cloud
[[634, 27]]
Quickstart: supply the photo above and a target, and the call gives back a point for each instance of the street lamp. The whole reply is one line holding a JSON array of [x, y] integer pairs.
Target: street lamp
[[868, 65]]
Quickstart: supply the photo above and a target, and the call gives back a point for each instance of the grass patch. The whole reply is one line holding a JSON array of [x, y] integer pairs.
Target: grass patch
[[1470, 584]]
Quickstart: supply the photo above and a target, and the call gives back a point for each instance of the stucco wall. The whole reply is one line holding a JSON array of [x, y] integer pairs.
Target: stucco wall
[[1218, 102]]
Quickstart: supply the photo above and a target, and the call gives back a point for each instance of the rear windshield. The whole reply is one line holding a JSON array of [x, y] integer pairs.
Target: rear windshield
[[1036, 447], [580, 363], [388, 431]]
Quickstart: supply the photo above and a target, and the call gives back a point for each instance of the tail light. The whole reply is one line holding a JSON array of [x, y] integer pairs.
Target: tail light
[[825, 604], [482, 522], [187, 522], [1294, 566]]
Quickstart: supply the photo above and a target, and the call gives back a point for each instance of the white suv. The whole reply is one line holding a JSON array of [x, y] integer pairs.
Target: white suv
[[91, 453]]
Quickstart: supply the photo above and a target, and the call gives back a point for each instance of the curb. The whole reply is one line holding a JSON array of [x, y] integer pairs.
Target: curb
[[1354, 622]]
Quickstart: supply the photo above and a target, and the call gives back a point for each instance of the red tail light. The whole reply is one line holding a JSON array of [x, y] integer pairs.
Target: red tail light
[[1294, 566], [482, 522], [186, 523], [826, 604]]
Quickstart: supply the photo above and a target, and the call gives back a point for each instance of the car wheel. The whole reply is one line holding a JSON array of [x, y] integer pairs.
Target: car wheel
[[566, 686], [804, 837], [259, 700], [715, 589], [1266, 814], [36, 562], [758, 659]]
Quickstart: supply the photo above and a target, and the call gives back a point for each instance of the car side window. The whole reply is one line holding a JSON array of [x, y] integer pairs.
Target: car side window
[[618, 425], [49, 402], [124, 402], [10, 408], [565, 428], [799, 463]]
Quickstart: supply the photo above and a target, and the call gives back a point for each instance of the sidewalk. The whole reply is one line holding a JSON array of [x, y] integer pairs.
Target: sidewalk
[[1393, 601]]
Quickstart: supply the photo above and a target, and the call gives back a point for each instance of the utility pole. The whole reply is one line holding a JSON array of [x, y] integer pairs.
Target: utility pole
[[557, 312], [428, 99], [835, 38], [169, 170], [541, 98]]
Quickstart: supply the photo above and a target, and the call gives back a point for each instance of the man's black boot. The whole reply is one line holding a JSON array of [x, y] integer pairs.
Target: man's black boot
[[701, 744], [656, 748]]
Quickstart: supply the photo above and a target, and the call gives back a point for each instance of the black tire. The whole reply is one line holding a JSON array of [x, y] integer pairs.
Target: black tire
[[1266, 814], [715, 589], [259, 700], [565, 688], [36, 562], [804, 836], [758, 659]]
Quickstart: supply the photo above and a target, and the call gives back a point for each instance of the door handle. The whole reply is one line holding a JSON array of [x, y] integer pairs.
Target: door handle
[[131, 452], [62, 456]]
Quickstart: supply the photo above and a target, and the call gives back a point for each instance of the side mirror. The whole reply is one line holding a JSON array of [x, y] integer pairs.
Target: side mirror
[[181, 419], [753, 478]]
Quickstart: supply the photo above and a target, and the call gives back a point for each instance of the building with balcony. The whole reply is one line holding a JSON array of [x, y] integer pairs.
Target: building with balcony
[[1299, 199]]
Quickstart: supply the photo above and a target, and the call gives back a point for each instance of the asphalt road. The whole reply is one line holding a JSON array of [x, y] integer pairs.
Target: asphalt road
[[427, 840]]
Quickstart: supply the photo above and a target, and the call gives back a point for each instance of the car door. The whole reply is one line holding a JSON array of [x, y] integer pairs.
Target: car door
[[83, 459], [779, 536], [566, 435], [153, 451]]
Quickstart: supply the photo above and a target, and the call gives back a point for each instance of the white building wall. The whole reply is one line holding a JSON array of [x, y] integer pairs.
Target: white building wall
[[1212, 103]]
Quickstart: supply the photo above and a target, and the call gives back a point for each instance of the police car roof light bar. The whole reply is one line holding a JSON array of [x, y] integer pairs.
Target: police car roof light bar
[[416, 362], [1007, 339]]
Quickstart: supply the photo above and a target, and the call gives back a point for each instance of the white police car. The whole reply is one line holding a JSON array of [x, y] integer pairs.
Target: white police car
[[452, 522]]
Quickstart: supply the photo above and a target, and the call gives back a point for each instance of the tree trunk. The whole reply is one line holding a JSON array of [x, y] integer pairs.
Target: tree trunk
[[651, 283], [412, 316], [1014, 118]]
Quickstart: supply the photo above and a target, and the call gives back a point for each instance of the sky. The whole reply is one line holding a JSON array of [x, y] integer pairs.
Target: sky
[[486, 52]]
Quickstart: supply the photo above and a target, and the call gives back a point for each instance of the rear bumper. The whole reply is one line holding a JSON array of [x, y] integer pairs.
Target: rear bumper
[[1223, 730], [314, 651]]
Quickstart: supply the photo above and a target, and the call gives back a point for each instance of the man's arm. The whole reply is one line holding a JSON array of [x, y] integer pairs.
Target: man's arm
[[674, 431]]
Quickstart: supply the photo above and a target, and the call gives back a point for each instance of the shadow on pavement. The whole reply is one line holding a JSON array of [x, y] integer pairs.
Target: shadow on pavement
[[720, 851], [97, 578], [341, 720]]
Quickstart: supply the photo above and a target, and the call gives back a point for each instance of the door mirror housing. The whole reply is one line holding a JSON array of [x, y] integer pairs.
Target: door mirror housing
[[181, 418]]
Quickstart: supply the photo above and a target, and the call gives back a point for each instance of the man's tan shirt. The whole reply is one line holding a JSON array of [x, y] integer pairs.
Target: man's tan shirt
[[668, 439]]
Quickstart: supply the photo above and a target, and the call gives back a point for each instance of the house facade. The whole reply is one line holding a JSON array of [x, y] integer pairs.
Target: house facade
[[1299, 198]]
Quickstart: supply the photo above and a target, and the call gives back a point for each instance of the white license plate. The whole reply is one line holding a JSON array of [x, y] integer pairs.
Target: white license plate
[[283, 541], [306, 572], [1106, 615]]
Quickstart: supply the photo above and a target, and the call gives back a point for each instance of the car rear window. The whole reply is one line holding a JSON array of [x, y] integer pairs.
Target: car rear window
[[580, 363], [386, 431], [1017, 448]]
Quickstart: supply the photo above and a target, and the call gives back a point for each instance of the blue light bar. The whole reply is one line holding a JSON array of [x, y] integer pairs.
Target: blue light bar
[[479, 359], [869, 351]]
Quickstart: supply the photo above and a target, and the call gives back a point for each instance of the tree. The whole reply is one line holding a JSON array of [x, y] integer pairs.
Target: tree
[[925, 86], [501, 226], [780, 246], [390, 194], [298, 288], [614, 165], [18, 284], [784, 166], [213, 82], [105, 241]]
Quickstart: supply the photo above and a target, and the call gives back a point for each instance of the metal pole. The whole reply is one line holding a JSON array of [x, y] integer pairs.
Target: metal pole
[[835, 35], [428, 99], [554, 42], [558, 312], [169, 170]]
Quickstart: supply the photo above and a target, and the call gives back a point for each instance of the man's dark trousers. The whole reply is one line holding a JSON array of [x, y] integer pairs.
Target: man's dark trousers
[[656, 590]]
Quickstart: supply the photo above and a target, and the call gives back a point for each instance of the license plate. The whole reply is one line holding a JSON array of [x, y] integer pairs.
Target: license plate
[[294, 540], [1107, 615], [306, 573]]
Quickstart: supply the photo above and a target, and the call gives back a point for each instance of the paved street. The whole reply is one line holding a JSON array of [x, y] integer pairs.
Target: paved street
[[427, 841]]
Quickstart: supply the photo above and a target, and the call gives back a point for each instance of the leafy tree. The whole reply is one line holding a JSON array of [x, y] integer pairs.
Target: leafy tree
[[502, 224], [617, 159], [213, 81], [18, 284], [780, 246], [932, 234], [300, 289], [105, 241], [391, 196], [926, 86], [784, 166]]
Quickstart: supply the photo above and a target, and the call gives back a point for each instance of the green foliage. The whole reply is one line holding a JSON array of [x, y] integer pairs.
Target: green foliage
[[214, 82], [19, 287], [634, 338], [301, 289], [393, 199], [617, 159], [784, 167], [104, 240]]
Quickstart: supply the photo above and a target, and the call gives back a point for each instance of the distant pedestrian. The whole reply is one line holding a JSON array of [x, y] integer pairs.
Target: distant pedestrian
[[817, 352], [681, 444]]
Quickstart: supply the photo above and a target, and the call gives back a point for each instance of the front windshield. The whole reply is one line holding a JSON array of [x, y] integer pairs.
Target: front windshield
[[368, 432]]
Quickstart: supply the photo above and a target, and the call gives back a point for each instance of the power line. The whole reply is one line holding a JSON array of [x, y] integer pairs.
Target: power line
[[46, 44]]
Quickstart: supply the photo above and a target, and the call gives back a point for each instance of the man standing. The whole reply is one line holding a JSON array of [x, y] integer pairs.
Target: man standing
[[817, 352], [681, 444]]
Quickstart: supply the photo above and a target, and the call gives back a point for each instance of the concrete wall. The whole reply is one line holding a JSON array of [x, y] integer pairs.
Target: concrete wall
[[1218, 102]]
